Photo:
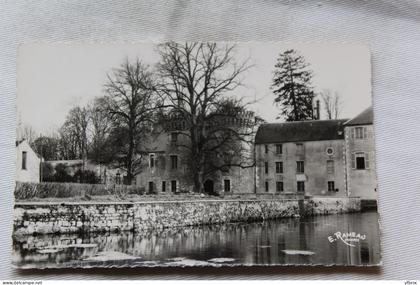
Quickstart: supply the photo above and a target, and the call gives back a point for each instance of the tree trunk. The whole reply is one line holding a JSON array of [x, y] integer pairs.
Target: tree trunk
[[130, 155]]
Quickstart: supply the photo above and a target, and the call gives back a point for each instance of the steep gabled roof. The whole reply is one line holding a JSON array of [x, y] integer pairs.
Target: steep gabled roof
[[21, 141], [364, 118], [316, 130]]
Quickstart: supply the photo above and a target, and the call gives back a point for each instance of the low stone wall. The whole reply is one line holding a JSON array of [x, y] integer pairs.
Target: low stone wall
[[326, 206], [176, 214], [41, 218], [44, 218]]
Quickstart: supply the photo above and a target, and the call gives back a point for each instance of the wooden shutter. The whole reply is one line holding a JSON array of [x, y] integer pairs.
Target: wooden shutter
[[353, 131], [364, 132], [353, 160], [367, 162]]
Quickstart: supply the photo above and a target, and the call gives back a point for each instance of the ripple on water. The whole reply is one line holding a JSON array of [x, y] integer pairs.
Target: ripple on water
[[298, 252]]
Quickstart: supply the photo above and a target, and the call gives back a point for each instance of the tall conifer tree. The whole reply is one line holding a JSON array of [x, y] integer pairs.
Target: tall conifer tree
[[292, 87]]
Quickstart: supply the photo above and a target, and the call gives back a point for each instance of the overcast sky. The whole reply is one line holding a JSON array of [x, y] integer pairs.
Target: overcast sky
[[54, 78]]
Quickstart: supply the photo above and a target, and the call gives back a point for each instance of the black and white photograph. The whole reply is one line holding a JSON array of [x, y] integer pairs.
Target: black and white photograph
[[202, 154]]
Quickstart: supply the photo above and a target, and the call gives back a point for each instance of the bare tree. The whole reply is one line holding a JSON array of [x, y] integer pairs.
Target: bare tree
[[194, 80], [130, 103], [28, 133], [68, 143], [76, 123], [332, 103], [47, 147], [99, 128]]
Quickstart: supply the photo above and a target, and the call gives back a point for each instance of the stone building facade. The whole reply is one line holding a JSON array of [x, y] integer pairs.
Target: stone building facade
[[165, 169], [318, 158], [360, 151], [28, 163], [332, 158], [304, 158]]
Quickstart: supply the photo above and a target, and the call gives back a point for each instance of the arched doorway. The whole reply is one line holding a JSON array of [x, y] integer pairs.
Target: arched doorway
[[209, 187]]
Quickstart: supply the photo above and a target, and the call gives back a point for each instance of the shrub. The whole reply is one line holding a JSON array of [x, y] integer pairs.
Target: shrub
[[61, 174], [28, 190]]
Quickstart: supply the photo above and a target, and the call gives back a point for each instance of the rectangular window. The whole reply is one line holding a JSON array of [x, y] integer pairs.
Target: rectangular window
[[151, 190], [174, 137], [279, 148], [279, 186], [173, 186], [331, 187], [330, 166], [266, 167], [151, 160], [300, 166], [163, 186], [299, 149], [24, 155], [360, 132], [301, 186], [266, 186], [266, 148], [227, 185], [174, 161], [279, 167], [360, 160]]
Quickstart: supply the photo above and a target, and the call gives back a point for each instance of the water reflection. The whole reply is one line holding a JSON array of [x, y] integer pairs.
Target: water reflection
[[285, 241]]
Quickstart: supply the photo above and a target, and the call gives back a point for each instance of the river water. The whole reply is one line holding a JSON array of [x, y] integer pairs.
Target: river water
[[276, 242]]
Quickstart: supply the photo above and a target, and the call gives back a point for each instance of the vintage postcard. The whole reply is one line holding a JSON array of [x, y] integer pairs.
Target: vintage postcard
[[195, 154]]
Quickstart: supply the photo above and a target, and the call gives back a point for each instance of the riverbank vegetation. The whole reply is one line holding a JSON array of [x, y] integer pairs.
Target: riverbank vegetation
[[79, 192]]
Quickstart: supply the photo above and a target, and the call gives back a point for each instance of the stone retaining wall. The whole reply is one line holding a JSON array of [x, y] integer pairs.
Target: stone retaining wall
[[326, 206], [44, 218]]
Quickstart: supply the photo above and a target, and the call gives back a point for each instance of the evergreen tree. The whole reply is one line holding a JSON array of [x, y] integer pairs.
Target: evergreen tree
[[292, 87]]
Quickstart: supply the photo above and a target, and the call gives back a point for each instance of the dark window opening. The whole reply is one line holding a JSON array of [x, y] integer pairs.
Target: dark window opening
[[279, 167], [279, 148], [227, 185], [163, 186], [266, 148], [152, 160], [279, 186], [301, 186], [173, 186], [360, 162], [266, 167], [331, 187], [174, 161], [24, 155], [300, 166], [151, 187], [118, 178], [266, 186]]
